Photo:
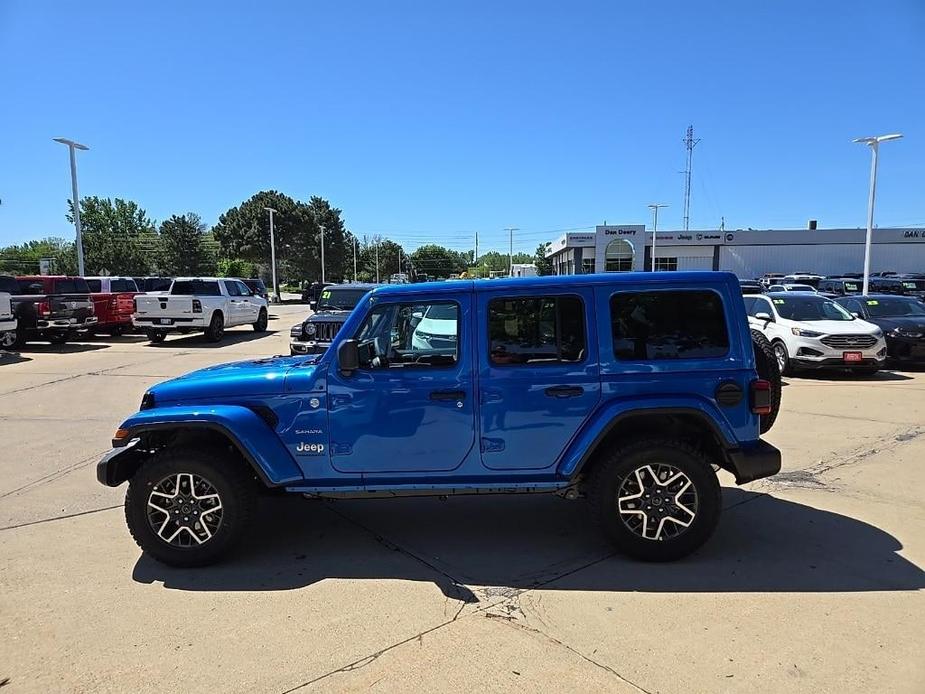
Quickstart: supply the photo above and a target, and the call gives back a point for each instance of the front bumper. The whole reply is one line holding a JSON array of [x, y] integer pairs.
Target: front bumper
[[119, 464], [308, 346], [812, 353], [905, 348], [754, 462]]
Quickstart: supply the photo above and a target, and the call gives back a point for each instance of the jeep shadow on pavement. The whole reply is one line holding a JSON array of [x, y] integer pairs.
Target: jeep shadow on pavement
[[627, 390]]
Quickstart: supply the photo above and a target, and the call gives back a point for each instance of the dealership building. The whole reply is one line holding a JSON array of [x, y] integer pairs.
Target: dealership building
[[626, 247]]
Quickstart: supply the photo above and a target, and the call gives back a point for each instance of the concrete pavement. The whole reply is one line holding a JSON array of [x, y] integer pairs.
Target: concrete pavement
[[812, 582]]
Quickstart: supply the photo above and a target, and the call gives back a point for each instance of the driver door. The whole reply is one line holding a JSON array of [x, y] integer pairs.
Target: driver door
[[410, 407]]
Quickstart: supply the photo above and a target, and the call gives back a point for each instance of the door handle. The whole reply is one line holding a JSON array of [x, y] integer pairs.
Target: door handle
[[447, 394], [564, 391]]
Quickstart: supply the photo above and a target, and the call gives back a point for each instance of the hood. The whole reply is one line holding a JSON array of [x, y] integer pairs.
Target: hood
[[329, 316], [913, 323], [838, 327], [255, 377]]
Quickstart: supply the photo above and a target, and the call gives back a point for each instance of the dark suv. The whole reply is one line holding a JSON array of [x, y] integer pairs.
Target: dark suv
[[334, 304], [839, 286], [901, 318], [905, 286], [627, 389]]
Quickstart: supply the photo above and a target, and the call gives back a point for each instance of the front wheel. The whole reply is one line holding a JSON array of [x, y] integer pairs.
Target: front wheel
[[783, 359], [261, 325], [189, 508], [657, 500]]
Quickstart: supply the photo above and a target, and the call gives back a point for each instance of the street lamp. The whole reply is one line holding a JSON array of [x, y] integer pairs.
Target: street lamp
[[321, 227], [655, 208], [273, 253], [71, 145], [511, 231], [874, 144]]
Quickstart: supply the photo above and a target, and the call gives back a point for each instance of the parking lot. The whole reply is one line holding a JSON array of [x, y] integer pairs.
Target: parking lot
[[812, 582]]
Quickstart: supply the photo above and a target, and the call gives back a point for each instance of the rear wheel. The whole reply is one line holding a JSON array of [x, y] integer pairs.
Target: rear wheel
[[768, 369], [261, 324], [216, 328], [189, 508], [8, 339], [157, 336], [657, 500]]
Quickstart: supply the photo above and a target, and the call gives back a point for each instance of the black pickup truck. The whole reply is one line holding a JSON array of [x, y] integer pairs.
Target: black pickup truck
[[47, 307]]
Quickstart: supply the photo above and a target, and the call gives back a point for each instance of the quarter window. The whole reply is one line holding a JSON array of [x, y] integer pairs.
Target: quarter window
[[540, 330], [668, 325]]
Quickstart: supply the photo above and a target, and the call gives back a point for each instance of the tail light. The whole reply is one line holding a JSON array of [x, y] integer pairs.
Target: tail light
[[114, 303], [44, 308], [134, 305], [761, 397], [197, 306]]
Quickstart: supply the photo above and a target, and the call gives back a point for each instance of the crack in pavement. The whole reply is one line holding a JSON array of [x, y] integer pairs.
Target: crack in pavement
[[54, 475], [61, 517], [100, 372]]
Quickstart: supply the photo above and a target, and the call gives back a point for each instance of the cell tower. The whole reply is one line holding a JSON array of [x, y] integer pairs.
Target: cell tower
[[689, 144]]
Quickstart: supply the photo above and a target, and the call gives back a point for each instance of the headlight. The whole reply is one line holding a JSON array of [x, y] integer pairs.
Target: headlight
[[310, 329], [802, 332], [878, 333]]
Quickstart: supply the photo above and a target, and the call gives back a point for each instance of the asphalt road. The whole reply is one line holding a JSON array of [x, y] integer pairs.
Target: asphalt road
[[811, 584]]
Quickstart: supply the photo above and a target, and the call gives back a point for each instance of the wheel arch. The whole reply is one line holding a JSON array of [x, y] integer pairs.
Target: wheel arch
[[690, 424]]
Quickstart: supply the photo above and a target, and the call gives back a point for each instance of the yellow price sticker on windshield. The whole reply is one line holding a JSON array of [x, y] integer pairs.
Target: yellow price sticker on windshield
[[872, 302], [778, 301], [326, 295]]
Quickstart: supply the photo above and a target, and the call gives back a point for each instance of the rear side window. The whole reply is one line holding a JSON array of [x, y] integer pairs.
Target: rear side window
[[668, 325], [32, 287], [541, 330], [195, 287], [156, 284], [77, 285], [95, 285]]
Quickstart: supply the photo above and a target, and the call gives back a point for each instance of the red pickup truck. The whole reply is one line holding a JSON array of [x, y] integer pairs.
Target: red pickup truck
[[113, 303]]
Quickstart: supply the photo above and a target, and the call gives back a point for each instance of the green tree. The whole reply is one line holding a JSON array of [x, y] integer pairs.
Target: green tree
[[185, 247], [387, 252], [24, 259], [543, 264], [235, 267], [437, 261], [118, 236]]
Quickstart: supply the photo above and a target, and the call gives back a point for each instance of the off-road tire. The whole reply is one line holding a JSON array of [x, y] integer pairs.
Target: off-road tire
[[768, 369], [234, 484], [216, 329], [157, 336], [261, 325], [614, 467]]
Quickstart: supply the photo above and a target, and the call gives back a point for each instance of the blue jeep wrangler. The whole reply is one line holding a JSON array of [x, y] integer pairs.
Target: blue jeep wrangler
[[629, 390]]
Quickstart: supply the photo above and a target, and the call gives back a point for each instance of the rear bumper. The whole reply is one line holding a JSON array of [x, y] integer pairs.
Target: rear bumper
[[754, 462], [151, 322], [65, 323]]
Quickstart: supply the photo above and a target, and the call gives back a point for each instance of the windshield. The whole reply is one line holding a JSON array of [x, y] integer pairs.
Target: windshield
[[810, 308], [340, 299], [893, 308]]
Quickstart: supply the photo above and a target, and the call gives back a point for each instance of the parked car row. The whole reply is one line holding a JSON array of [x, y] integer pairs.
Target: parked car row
[[902, 284], [57, 308]]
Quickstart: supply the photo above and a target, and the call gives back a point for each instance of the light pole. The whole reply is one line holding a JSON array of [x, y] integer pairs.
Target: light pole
[[377, 262], [321, 227], [354, 258], [655, 208], [273, 253], [511, 231], [874, 144], [71, 145]]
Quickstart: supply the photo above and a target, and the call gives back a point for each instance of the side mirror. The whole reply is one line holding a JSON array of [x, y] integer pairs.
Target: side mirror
[[348, 357], [764, 316], [855, 314]]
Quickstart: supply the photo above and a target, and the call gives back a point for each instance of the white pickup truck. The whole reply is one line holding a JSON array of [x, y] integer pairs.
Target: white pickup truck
[[199, 304], [7, 322]]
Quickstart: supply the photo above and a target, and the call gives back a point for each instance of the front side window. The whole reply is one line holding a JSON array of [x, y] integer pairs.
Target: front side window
[[410, 334], [243, 289], [232, 288], [668, 325], [536, 330]]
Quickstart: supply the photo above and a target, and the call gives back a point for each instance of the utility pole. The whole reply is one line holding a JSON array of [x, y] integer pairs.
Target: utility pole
[[71, 145], [874, 144], [655, 208], [511, 231], [377, 262], [689, 144], [399, 260], [475, 258], [321, 227], [273, 254], [355, 258]]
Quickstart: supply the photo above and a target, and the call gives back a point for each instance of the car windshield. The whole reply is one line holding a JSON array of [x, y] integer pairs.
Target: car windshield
[[340, 299], [893, 308], [810, 308]]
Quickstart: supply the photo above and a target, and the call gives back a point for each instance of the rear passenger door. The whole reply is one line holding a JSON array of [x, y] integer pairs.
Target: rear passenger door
[[539, 379], [235, 309]]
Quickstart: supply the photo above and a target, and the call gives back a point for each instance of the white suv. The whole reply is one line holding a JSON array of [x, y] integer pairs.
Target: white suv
[[810, 331]]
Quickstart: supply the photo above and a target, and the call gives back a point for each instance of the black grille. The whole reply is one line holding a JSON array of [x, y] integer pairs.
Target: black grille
[[324, 331], [849, 341]]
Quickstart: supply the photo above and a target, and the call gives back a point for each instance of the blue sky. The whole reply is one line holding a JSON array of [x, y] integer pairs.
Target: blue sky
[[427, 121]]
